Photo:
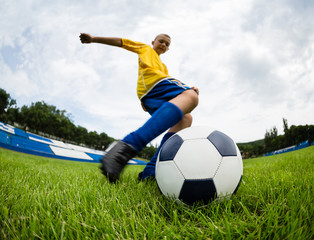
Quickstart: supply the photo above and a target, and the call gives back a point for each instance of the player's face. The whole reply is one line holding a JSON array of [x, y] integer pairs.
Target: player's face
[[161, 44]]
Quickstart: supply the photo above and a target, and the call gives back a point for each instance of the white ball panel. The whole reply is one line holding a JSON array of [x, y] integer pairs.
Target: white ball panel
[[197, 159], [240, 159], [228, 175], [195, 132], [169, 178]]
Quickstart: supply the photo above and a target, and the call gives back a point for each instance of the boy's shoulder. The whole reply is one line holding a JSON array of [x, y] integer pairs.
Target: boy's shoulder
[[134, 46], [126, 42]]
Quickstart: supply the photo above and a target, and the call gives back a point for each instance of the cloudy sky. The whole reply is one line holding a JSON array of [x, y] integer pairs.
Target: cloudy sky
[[252, 60]]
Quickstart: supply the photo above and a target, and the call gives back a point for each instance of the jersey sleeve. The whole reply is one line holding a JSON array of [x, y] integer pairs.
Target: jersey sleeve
[[136, 47]]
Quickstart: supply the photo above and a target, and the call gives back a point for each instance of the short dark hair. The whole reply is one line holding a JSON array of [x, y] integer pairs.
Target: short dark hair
[[163, 35]]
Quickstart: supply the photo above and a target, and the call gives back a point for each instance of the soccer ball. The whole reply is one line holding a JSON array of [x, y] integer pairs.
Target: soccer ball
[[198, 164]]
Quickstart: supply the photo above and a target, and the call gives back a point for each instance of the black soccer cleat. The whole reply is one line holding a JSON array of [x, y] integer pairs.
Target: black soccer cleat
[[113, 162]]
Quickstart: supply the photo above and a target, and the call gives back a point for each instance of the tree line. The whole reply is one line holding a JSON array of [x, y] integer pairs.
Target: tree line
[[44, 119], [293, 135]]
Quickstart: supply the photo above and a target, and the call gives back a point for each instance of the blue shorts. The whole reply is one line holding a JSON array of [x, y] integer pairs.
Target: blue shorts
[[163, 92]]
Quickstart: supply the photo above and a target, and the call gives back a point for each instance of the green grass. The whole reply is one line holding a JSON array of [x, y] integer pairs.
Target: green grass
[[44, 198]]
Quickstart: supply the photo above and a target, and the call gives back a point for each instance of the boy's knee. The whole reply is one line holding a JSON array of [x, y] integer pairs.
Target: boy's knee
[[193, 97], [186, 101]]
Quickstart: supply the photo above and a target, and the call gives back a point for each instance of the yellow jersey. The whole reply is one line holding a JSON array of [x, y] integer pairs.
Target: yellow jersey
[[150, 68]]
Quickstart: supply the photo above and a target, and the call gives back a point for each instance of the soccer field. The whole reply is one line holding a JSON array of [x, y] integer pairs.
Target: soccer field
[[42, 198]]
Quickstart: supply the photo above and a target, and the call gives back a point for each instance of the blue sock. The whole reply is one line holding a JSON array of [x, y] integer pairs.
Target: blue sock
[[162, 119], [149, 170]]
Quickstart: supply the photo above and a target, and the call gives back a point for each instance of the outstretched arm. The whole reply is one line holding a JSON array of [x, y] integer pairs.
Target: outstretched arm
[[87, 38]]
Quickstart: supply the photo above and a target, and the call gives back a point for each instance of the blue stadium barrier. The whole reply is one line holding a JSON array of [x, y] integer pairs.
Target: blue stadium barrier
[[5, 137], [30, 144], [18, 140], [94, 156], [39, 137], [42, 154], [289, 149], [20, 133]]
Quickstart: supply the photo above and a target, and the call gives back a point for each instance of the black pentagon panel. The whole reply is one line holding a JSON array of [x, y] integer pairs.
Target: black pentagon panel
[[194, 191], [223, 144], [170, 148]]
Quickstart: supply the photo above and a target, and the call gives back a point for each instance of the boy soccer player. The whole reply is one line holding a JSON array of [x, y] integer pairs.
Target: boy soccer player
[[167, 100]]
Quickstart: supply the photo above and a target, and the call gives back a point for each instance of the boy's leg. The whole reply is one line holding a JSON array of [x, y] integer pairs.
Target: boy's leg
[[186, 101], [162, 119], [114, 161], [149, 170], [167, 116]]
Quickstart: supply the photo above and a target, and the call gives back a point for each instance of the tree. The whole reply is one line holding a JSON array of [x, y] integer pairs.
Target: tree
[[270, 139], [294, 135], [298, 134], [105, 141], [7, 105], [41, 117], [81, 134], [147, 152], [285, 125]]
